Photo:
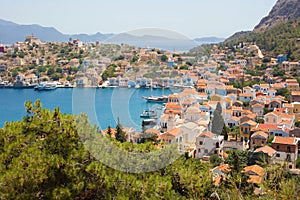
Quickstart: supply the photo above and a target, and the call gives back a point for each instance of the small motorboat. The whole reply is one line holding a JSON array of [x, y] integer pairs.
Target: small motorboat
[[148, 114]]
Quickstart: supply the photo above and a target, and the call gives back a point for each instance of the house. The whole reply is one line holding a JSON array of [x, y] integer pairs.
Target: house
[[208, 144], [274, 104], [233, 121], [271, 92], [267, 150], [287, 150], [220, 173], [245, 129], [272, 118], [255, 172], [273, 129], [295, 96], [292, 85], [281, 58], [246, 97], [258, 109], [238, 104], [236, 111], [3, 66], [264, 88], [258, 139]]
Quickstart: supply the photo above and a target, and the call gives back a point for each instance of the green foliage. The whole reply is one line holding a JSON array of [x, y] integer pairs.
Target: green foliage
[[283, 92], [269, 141], [109, 72], [281, 39], [120, 134], [43, 157], [297, 124], [185, 67], [164, 58], [134, 59], [259, 120], [215, 160]]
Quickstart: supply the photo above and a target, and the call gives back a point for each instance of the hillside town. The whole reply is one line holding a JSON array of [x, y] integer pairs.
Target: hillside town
[[254, 98]]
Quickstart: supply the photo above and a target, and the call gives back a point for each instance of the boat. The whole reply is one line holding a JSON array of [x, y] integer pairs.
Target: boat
[[148, 122], [46, 86], [148, 114], [157, 99], [137, 86]]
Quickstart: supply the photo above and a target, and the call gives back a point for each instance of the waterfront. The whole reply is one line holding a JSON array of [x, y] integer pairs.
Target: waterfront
[[110, 103]]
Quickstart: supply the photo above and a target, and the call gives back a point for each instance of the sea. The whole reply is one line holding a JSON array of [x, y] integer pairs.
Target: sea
[[104, 107]]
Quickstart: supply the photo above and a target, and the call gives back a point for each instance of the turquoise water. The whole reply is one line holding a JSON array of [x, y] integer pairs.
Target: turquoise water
[[103, 106]]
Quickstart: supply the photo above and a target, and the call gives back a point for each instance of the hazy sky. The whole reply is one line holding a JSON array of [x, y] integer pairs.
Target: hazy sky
[[193, 18]]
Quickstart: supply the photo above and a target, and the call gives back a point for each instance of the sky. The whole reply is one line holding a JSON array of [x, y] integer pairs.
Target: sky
[[192, 18]]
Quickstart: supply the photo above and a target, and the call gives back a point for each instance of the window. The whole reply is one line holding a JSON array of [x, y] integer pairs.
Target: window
[[170, 141], [288, 149], [201, 142], [274, 120], [262, 141], [199, 150], [277, 147], [278, 155], [253, 142], [205, 151]]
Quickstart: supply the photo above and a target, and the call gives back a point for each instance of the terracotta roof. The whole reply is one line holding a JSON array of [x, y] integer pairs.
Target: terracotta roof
[[252, 123], [267, 127], [260, 133], [234, 118], [174, 131], [255, 169], [296, 93], [152, 131], [266, 149], [257, 105], [289, 116], [246, 95], [255, 179], [206, 134], [285, 140], [223, 168], [173, 106]]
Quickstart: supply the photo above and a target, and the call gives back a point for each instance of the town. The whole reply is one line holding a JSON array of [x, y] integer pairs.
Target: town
[[232, 98]]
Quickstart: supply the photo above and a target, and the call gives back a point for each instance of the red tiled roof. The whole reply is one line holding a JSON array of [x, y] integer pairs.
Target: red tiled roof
[[266, 149], [285, 140]]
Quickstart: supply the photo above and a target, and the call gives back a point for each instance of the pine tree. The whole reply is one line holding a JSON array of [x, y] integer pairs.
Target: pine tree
[[217, 122], [120, 135], [109, 131]]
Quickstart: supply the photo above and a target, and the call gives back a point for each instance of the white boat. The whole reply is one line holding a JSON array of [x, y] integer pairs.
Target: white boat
[[46, 86], [137, 86]]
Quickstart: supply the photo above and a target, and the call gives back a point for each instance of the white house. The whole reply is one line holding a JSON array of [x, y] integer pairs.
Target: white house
[[208, 144]]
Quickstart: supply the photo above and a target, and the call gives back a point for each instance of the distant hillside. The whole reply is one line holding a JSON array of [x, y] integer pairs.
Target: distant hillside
[[238, 35], [280, 39], [11, 32], [209, 40], [283, 11]]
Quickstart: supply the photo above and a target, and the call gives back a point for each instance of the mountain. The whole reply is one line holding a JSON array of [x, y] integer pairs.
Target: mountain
[[282, 38], [283, 11], [11, 32], [209, 40], [154, 41]]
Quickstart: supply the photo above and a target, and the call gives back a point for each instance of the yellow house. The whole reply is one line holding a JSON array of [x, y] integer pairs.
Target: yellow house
[[296, 111], [245, 129]]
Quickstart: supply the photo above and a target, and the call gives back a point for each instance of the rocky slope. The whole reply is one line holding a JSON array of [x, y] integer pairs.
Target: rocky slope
[[283, 11]]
